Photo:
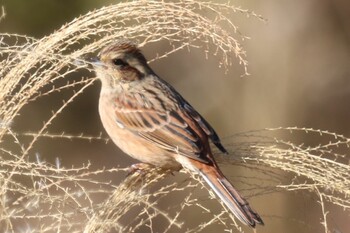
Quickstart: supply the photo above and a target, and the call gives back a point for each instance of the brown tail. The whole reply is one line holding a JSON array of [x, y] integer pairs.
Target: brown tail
[[230, 196]]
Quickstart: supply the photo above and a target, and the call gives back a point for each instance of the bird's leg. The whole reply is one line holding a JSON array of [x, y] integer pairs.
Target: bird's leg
[[141, 168]]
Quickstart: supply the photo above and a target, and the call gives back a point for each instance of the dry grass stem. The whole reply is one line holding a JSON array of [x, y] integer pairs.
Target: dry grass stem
[[36, 196]]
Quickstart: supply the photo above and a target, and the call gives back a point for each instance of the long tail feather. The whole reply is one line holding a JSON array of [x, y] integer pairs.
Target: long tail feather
[[230, 196]]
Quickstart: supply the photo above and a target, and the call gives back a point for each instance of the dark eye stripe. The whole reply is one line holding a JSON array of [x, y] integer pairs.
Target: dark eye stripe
[[119, 62]]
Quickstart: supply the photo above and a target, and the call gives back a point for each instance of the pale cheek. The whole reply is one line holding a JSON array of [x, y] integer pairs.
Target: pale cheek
[[108, 80]]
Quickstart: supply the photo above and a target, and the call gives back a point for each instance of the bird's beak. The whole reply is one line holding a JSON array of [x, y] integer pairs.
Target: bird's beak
[[95, 61]]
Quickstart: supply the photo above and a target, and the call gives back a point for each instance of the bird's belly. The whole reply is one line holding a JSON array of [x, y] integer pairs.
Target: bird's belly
[[144, 151], [138, 147]]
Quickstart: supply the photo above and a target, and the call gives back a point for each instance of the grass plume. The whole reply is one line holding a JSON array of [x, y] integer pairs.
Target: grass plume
[[36, 196]]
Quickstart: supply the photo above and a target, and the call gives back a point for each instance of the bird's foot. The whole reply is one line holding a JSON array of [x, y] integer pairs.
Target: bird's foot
[[141, 168]]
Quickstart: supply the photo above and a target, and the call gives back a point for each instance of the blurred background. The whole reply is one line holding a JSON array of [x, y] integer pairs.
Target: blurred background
[[299, 65]]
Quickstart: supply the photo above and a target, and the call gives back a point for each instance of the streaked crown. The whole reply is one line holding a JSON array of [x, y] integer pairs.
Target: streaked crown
[[122, 60], [119, 47]]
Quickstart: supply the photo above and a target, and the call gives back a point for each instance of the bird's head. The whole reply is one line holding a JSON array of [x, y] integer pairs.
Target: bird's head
[[121, 62]]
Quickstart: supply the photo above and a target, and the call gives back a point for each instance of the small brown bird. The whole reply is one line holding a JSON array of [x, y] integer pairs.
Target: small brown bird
[[150, 121]]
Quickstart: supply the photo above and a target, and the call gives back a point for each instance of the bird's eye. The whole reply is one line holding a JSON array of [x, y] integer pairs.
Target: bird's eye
[[119, 62]]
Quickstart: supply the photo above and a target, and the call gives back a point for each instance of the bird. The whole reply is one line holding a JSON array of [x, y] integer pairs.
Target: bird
[[151, 122]]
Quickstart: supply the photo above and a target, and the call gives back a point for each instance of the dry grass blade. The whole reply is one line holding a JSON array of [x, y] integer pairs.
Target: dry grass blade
[[321, 169], [3, 13], [36, 196]]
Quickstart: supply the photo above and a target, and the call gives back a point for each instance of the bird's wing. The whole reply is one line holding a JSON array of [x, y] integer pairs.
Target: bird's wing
[[161, 120], [206, 127]]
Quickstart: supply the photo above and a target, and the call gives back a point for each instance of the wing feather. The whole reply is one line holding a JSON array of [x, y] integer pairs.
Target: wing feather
[[206, 127], [165, 119]]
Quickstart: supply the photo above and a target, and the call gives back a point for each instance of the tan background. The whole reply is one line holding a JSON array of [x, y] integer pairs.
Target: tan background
[[299, 63]]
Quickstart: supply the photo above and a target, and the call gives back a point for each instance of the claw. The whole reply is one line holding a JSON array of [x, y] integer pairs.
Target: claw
[[140, 168]]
